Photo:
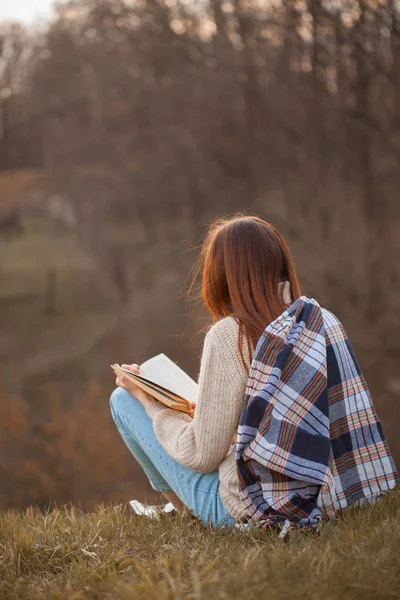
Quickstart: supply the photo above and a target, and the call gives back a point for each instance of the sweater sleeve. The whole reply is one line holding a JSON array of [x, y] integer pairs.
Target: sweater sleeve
[[201, 443]]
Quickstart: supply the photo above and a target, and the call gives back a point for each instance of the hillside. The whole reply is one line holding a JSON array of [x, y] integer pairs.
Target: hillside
[[68, 554]]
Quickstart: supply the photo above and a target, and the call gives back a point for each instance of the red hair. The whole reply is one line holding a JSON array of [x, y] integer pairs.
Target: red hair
[[244, 259]]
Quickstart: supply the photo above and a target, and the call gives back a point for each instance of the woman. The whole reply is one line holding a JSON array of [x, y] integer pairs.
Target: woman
[[247, 275], [278, 370]]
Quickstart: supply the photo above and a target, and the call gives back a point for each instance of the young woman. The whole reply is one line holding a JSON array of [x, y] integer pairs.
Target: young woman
[[248, 281]]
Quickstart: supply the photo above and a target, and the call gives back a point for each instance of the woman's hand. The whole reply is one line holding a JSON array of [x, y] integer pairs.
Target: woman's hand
[[125, 382], [129, 385]]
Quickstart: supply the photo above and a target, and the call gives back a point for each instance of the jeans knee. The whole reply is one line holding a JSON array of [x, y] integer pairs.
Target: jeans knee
[[117, 401], [124, 405]]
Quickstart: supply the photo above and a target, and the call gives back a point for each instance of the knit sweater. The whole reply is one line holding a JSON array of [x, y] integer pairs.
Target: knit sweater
[[203, 443]]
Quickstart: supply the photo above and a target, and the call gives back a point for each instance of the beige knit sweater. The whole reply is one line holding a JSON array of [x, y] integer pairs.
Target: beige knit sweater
[[202, 443]]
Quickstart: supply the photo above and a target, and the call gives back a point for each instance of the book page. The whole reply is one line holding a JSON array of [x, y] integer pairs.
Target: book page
[[158, 392], [163, 371], [150, 385]]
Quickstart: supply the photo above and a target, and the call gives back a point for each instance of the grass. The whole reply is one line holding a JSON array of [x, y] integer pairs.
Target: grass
[[109, 553]]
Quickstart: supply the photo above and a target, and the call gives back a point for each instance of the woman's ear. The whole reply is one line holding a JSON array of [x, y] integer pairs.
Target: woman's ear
[[285, 291]]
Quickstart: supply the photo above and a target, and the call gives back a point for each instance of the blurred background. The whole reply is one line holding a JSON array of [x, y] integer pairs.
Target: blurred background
[[126, 126]]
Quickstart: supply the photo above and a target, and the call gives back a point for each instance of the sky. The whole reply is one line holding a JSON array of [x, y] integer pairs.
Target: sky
[[27, 11]]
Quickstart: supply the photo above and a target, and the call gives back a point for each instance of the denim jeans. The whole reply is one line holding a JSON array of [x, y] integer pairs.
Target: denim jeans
[[198, 491]]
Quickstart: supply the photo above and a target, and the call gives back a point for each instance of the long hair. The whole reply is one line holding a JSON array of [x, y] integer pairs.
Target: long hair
[[244, 259]]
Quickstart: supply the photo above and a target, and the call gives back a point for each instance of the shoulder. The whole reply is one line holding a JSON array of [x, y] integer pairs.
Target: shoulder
[[222, 343], [226, 329], [330, 319], [223, 337]]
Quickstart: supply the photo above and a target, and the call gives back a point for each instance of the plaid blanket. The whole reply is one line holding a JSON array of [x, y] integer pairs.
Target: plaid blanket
[[309, 441]]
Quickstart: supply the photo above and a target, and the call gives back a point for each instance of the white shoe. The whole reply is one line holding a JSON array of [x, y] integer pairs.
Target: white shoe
[[153, 512]]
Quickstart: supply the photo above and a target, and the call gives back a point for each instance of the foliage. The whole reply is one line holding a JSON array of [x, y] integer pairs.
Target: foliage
[[150, 111], [73, 453], [125, 127], [66, 554]]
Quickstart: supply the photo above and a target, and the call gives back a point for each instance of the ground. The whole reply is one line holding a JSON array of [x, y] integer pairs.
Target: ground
[[110, 553]]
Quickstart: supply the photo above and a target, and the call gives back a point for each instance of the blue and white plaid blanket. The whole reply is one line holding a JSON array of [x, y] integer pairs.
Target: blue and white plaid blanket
[[309, 441]]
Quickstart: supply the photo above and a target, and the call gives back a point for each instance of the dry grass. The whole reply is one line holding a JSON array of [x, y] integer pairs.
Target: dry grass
[[68, 554]]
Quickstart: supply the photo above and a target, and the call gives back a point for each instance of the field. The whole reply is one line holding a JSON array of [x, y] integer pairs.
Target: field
[[62, 324], [109, 553]]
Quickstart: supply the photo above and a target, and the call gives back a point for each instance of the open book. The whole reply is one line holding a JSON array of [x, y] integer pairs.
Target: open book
[[165, 381]]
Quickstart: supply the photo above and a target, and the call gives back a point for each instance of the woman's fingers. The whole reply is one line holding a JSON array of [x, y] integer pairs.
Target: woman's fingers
[[120, 381], [133, 368]]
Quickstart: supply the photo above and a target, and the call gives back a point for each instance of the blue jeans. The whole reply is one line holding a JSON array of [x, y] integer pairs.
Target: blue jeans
[[198, 491]]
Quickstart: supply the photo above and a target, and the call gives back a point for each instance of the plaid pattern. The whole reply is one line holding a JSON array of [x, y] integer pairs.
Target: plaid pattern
[[309, 441]]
